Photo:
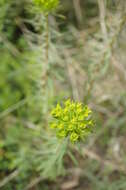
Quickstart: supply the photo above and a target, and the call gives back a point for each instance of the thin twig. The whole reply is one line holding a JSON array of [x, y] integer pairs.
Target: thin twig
[[78, 13], [11, 48], [33, 183], [9, 178], [102, 12], [45, 71], [12, 108]]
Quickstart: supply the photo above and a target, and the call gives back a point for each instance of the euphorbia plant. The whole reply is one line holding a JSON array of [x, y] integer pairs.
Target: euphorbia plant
[[71, 122]]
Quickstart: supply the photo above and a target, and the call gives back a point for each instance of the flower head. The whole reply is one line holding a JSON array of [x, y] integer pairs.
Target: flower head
[[47, 5], [72, 120]]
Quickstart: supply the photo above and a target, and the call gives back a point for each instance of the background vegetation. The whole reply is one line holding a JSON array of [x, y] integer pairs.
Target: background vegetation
[[77, 53]]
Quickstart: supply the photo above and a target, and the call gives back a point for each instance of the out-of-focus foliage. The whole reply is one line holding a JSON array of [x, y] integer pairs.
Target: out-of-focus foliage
[[78, 53]]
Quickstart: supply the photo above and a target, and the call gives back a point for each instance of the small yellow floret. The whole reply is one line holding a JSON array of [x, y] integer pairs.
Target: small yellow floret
[[74, 137], [62, 134]]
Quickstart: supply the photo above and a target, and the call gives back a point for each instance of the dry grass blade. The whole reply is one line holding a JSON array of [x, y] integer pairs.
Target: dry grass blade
[[9, 178], [94, 156]]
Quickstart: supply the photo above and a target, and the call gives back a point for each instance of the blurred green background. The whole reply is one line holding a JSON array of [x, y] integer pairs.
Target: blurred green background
[[79, 53]]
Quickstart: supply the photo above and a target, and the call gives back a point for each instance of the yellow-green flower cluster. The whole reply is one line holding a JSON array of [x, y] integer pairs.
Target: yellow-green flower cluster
[[73, 120], [47, 5]]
